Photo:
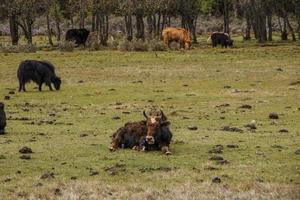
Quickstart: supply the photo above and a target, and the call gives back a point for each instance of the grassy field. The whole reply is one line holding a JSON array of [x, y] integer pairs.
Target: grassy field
[[69, 130]]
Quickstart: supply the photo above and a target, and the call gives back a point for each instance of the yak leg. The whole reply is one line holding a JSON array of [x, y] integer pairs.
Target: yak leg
[[50, 87], [167, 43], [214, 44], [23, 87], [20, 86], [166, 150], [181, 44], [40, 86], [48, 83]]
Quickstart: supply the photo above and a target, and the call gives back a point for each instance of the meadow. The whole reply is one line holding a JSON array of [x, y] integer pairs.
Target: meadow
[[69, 130]]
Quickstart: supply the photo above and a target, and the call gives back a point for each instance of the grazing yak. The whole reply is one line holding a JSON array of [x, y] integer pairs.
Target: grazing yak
[[151, 134], [2, 119], [79, 36], [220, 38], [39, 72], [180, 35]]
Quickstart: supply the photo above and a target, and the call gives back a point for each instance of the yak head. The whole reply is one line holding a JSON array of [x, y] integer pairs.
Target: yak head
[[187, 44], [56, 82], [154, 125]]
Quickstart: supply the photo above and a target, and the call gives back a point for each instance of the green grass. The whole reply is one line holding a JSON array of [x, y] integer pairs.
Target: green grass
[[255, 169]]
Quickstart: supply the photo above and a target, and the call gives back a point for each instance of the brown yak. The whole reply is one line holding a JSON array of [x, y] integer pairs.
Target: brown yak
[[180, 35], [152, 134]]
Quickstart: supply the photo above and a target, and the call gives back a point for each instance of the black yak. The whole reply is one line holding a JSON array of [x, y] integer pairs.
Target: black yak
[[2, 119], [79, 36], [220, 38], [39, 72]]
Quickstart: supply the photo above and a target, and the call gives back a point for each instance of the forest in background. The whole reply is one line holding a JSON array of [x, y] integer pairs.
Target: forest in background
[[146, 18]]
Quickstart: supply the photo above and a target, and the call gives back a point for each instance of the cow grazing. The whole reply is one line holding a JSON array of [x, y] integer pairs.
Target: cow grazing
[[39, 72], [179, 35], [2, 119], [129, 135], [79, 36], [222, 39]]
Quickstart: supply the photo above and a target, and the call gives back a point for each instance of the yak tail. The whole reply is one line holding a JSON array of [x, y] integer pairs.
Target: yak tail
[[209, 39]]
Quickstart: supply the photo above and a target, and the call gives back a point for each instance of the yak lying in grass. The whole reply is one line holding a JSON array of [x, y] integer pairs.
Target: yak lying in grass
[[222, 39], [79, 36], [39, 72], [2, 119], [152, 134], [129, 135], [179, 35]]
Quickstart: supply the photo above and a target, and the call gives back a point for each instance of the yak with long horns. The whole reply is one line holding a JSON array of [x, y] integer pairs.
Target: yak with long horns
[[158, 133], [152, 134]]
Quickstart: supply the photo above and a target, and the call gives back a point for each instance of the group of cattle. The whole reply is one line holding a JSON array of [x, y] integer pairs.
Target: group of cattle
[[169, 34], [150, 134]]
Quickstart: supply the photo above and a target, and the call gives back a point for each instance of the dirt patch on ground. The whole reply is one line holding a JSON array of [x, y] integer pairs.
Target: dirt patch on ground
[[151, 169], [231, 129]]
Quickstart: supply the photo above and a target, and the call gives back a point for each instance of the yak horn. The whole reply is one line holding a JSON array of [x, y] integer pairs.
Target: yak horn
[[145, 114], [163, 116]]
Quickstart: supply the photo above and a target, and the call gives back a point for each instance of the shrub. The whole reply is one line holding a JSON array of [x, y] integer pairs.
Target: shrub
[[93, 41], [125, 45], [113, 43], [155, 45], [139, 45], [67, 46]]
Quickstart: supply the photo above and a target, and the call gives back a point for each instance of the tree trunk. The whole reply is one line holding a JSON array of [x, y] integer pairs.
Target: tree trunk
[[158, 25], [298, 29], [140, 26], [226, 17], [154, 25], [150, 25], [97, 22], [297, 12], [57, 25], [128, 27], [26, 26], [270, 29], [169, 21], [103, 29], [290, 28], [163, 24], [258, 17], [284, 35], [248, 28], [192, 28], [94, 15], [29, 26], [49, 30], [81, 22], [14, 32], [183, 21]]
